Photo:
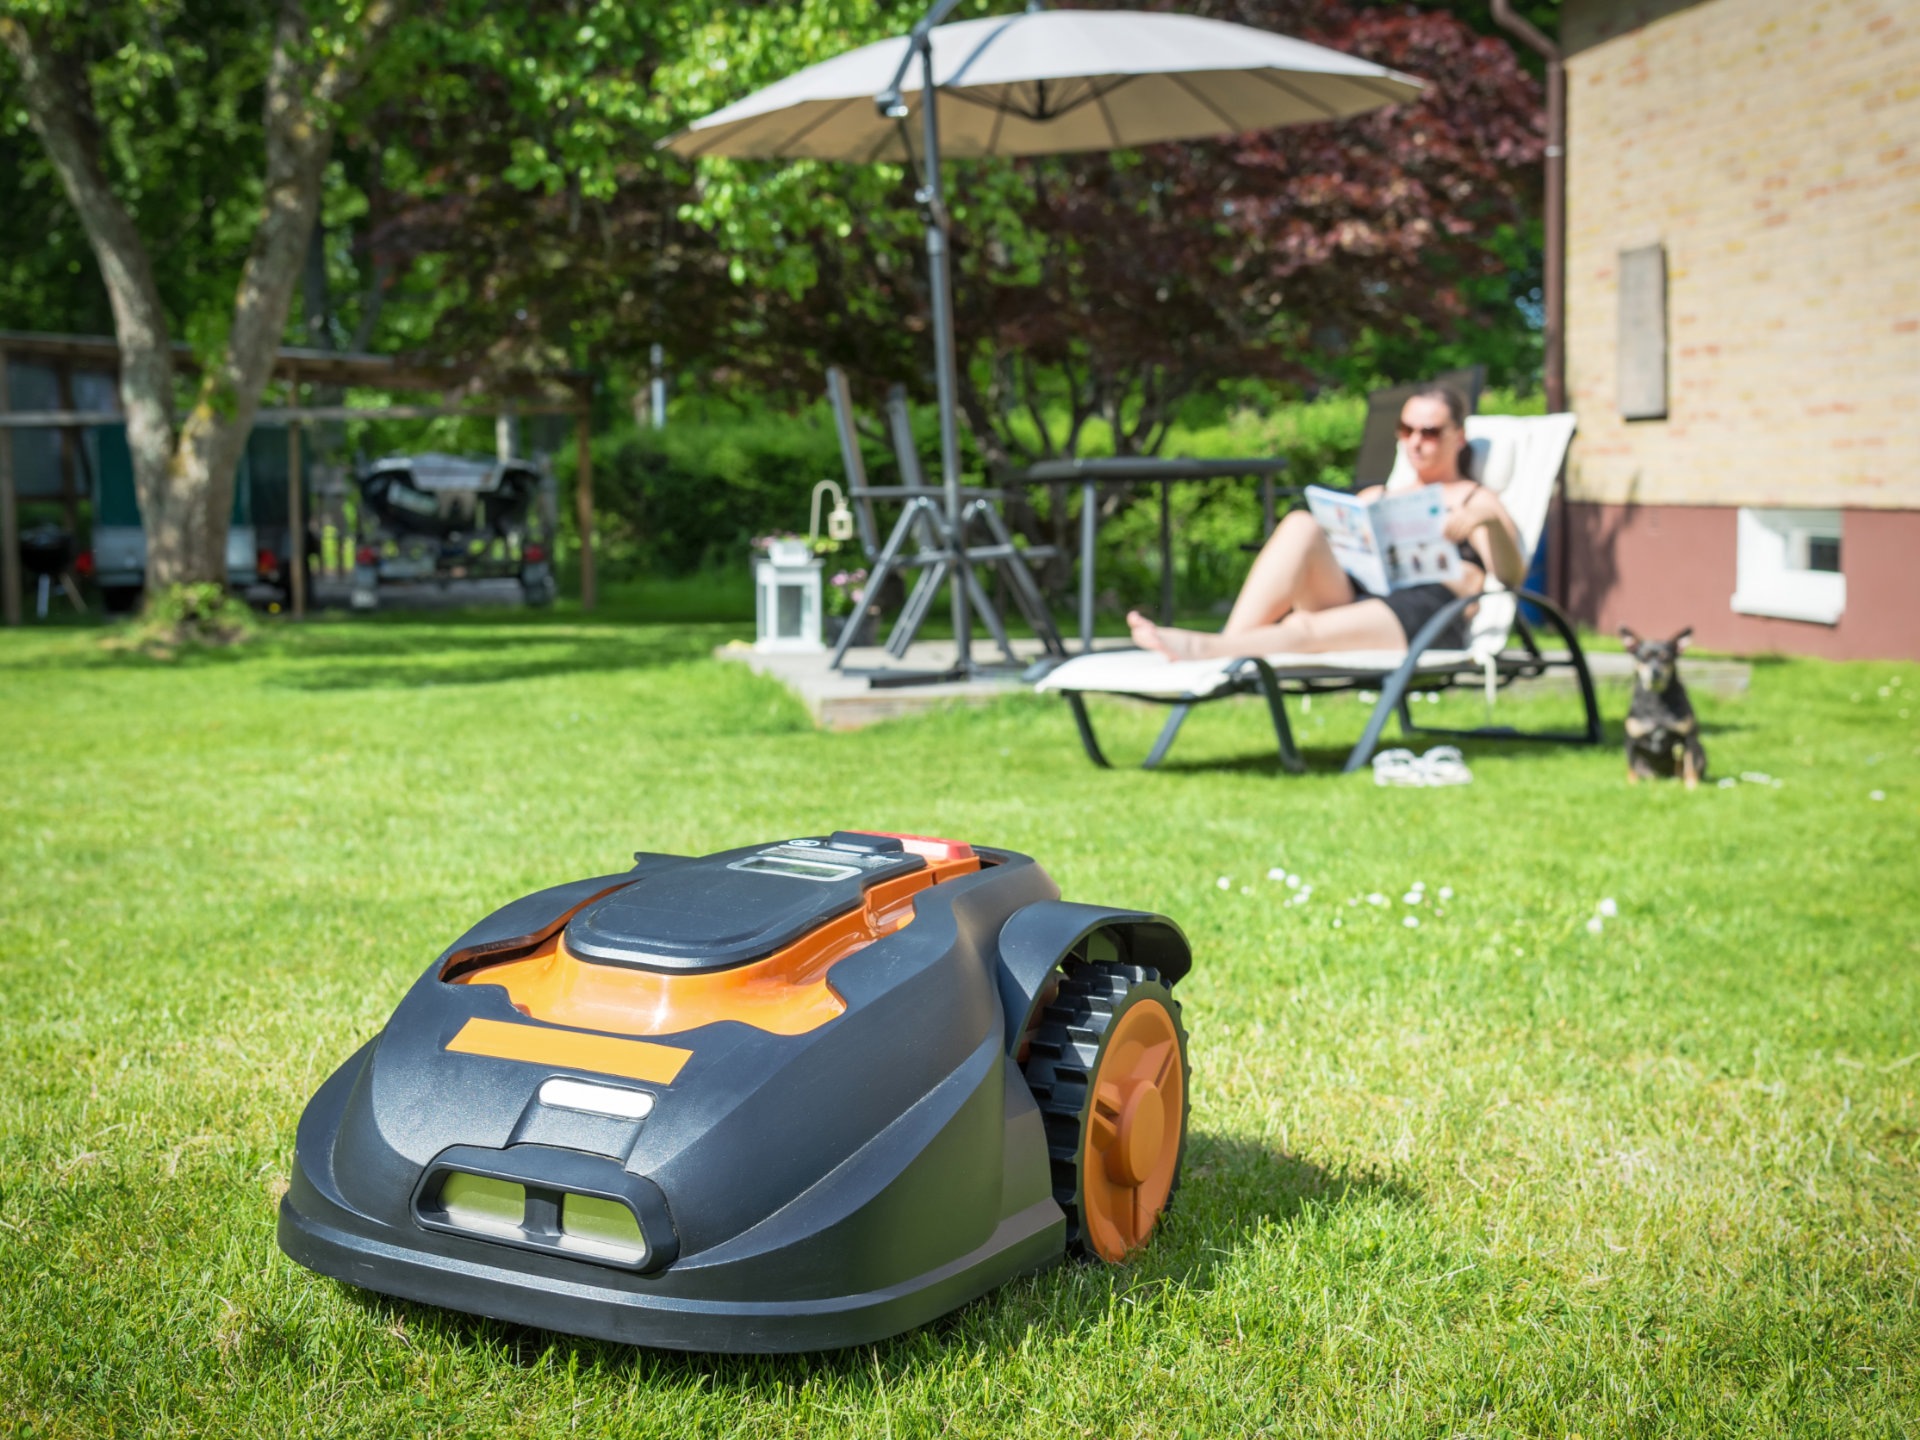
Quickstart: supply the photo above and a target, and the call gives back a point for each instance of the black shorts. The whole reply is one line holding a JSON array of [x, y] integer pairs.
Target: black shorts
[[1415, 605]]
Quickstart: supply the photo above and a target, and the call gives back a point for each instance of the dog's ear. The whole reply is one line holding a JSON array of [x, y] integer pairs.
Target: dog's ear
[[1679, 642], [1626, 634]]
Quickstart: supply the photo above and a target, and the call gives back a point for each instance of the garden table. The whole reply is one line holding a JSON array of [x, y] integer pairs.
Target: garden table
[[1142, 470]]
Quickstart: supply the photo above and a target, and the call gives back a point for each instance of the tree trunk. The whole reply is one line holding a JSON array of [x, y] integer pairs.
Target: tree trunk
[[299, 130], [59, 104], [184, 475]]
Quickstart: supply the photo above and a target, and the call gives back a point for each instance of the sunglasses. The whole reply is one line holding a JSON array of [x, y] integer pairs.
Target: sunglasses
[[1425, 432]]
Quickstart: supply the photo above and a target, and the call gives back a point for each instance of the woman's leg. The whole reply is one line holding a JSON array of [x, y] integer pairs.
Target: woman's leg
[[1294, 578], [1362, 625], [1295, 570]]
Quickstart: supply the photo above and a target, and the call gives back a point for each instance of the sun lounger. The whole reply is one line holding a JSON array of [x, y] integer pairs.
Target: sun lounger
[[1518, 457]]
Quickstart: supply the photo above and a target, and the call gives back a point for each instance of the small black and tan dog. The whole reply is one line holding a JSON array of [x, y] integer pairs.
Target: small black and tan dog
[[1660, 721]]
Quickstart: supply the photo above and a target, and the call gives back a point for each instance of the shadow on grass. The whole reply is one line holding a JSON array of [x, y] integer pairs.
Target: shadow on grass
[[1327, 762], [387, 659], [471, 651], [1231, 1191], [1328, 759]]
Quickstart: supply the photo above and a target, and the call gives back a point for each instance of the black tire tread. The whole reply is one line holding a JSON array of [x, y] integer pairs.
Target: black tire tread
[[1063, 1056]]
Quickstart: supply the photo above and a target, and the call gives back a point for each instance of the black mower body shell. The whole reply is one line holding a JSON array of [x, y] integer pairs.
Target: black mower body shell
[[798, 1192]]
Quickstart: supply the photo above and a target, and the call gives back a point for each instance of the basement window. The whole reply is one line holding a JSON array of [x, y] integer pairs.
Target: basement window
[[1788, 565]]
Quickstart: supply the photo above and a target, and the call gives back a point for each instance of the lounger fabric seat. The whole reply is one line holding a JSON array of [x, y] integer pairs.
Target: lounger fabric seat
[[1150, 676], [1520, 458]]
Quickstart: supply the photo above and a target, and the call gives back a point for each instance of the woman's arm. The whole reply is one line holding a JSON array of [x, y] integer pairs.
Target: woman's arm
[[1482, 519]]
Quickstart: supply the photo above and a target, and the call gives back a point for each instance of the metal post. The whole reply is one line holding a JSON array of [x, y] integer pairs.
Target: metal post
[[1166, 552], [583, 494], [71, 455], [9, 515], [1555, 282], [1555, 279], [1556, 238], [296, 526], [1089, 493], [940, 282], [657, 389]]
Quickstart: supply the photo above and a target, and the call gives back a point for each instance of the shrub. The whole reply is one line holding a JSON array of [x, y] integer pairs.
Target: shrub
[[692, 496]]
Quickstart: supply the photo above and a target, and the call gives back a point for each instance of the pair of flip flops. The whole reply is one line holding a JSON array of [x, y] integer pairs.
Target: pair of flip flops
[[1441, 765]]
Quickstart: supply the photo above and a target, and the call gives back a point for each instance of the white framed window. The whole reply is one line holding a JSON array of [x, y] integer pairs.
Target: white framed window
[[1788, 565]]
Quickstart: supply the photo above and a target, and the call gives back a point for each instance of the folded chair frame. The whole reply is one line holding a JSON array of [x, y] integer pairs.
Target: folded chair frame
[[1253, 675], [922, 540]]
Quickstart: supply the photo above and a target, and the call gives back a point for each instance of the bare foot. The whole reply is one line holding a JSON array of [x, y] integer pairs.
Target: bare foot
[[1166, 640]]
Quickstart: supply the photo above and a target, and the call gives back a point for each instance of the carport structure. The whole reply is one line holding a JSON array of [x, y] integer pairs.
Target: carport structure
[[460, 392]]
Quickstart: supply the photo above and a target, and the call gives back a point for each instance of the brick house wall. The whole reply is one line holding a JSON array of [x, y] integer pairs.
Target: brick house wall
[[1772, 147]]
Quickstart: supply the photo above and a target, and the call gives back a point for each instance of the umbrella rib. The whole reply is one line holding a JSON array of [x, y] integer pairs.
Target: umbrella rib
[[1093, 96], [886, 137], [968, 97], [698, 147], [1298, 94], [1372, 84], [974, 54], [818, 121], [736, 130], [1234, 127], [1066, 101], [1113, 130], [993, 139]]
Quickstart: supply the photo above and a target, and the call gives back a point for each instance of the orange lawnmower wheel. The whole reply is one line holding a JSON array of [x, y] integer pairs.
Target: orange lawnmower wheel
[[1108, 1066]]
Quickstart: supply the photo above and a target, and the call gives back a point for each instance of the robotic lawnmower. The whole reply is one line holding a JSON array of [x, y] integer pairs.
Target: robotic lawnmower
[[787, 1097]]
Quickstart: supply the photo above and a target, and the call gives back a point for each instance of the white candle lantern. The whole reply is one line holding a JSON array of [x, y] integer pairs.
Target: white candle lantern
[[787, 595]]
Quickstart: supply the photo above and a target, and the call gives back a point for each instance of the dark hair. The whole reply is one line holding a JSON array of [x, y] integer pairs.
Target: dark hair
[[1456, 404]]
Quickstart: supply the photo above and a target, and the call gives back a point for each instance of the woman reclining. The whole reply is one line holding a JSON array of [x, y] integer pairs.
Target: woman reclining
[[1298, 599]]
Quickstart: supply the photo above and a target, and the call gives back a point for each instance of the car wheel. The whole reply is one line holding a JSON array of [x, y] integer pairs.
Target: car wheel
[[120, 599], [1107, 1064]]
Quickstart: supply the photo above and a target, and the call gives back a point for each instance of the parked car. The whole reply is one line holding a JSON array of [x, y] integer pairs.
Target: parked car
[[442, 519], [258, 542]]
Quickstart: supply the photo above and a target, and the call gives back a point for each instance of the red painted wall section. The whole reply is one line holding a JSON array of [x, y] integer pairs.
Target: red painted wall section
[[1661, 567]]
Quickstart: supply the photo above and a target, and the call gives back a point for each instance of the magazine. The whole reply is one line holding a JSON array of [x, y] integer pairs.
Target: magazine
[[1391, 542]]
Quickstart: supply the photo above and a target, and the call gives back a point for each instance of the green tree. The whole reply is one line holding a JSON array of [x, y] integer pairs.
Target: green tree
[[113, 87]]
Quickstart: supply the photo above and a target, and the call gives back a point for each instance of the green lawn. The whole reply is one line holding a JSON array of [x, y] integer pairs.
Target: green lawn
[[1493, 1174]]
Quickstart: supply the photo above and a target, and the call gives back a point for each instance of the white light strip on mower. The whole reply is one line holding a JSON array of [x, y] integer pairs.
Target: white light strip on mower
[[605, 1228], [477, 1202], [597, 1099]]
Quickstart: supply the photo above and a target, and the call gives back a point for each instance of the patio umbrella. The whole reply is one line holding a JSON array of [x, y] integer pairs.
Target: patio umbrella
[[1041, 82], [1049, 82]]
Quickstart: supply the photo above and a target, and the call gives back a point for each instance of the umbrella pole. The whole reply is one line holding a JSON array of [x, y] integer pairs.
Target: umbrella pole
[[940, 282]]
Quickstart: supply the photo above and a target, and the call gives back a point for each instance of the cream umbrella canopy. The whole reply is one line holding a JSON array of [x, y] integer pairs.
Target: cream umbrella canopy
[[1050, 82], [1037, 83]]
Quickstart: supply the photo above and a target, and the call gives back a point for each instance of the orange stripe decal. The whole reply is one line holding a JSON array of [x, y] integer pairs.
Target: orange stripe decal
[[573, 1049]]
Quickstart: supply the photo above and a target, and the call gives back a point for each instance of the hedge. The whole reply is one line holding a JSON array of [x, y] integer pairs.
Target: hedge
[[692, 496]]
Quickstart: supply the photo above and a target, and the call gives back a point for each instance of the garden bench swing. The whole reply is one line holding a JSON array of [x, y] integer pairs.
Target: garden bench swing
[[1517, 457]]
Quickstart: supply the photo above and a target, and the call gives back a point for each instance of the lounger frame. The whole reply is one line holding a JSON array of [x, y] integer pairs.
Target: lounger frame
[[1254, 675]]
